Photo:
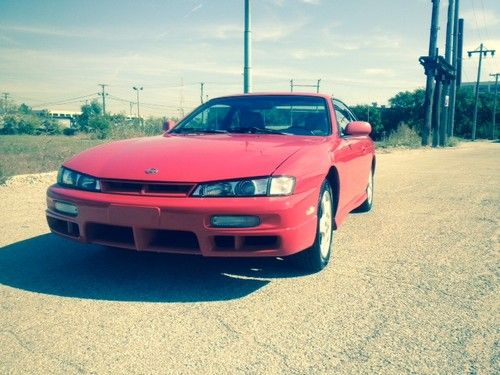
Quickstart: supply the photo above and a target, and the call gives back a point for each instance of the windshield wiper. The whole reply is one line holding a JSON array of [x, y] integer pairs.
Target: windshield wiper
[[200, 131], [256, 130]]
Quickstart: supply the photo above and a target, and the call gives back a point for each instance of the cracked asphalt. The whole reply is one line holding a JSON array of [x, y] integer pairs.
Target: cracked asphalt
[[412, 289]]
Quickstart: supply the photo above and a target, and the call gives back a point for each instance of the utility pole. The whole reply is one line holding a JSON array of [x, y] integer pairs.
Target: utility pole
[[455, 83], [247, 74], [430, 73], [291, 85], [494, 117], [131, 105], [445, 96], [103, 94], [482, 51], [137, 89], [202, 84]]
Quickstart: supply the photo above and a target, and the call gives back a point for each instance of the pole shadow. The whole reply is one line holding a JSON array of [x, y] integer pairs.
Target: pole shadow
[[51, 265]]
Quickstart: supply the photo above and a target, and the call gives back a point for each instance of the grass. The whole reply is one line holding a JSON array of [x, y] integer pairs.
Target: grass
[[22, 154]]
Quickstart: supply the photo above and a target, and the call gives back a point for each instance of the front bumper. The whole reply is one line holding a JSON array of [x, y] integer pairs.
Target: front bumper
[[182, 225]]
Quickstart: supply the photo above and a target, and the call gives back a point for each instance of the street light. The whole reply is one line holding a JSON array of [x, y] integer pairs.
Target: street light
[[137, 89]]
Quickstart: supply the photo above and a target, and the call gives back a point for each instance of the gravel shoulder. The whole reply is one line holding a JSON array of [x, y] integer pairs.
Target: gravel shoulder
[[413, 288]]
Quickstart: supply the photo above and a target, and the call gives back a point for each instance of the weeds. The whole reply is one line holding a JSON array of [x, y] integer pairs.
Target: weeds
[[403, 137]]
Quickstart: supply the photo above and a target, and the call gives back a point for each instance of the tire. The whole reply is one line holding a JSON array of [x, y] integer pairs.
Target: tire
[[368, 203], [315, 258]]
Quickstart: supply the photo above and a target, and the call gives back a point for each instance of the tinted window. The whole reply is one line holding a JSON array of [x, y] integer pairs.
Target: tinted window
[[293, 115], [343, 114]]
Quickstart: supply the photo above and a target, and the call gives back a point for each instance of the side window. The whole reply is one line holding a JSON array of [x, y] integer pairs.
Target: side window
[[343, 114]]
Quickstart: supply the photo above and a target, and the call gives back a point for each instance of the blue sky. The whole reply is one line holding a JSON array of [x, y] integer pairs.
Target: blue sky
[[363, 51]]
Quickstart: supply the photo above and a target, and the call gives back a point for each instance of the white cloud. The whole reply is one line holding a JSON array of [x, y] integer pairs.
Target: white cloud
[[378, 72], [479, 19], [303, 54]]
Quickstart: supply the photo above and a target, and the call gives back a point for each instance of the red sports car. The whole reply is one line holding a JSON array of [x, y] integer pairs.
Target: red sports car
[[254, 175]]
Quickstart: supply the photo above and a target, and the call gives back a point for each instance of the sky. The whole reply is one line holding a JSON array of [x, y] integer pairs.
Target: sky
[[54, 53]]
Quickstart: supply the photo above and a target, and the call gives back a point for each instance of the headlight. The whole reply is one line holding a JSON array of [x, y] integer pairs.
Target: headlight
[[68, 178], [251, 187]]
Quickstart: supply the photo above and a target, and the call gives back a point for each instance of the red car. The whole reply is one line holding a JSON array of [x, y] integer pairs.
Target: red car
[[255, 175]]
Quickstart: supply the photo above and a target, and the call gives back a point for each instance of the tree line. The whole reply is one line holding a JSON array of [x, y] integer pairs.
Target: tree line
[[405, 108]]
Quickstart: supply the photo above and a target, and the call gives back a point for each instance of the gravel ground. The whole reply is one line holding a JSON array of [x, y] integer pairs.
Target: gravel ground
[[413, 288]]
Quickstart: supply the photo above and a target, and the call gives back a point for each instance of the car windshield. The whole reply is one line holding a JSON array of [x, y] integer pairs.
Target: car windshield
[[291, 115]]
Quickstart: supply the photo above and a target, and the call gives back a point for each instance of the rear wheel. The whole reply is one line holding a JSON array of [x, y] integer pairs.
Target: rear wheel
[[316, 257], [368, 203]]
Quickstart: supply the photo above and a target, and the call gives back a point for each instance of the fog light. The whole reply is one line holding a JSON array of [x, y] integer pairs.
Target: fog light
[[233, 221], [66, 208]]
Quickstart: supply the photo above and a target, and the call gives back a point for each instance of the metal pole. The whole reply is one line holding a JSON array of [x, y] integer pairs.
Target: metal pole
[[445, 95], [291, 85], [429, 87], [436, 111], [247, 75], [317, 86], [474, 121], [454, 85], [494, 117], [202, 84]]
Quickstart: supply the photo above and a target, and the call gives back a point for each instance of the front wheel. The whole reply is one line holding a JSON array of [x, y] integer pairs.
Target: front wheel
[[316, 257]]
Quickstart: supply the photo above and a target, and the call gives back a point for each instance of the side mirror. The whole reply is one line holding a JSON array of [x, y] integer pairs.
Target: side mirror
[[168, 125], [358, 128]]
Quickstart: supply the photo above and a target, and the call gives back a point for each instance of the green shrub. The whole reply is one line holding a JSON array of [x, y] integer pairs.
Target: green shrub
[[69, 131], [403, 136], [100, 127]]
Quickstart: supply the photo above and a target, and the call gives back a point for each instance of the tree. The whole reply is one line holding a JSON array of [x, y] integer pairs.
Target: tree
[[89, 111]]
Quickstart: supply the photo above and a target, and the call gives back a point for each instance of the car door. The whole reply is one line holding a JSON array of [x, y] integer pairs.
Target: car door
[[358, 160]]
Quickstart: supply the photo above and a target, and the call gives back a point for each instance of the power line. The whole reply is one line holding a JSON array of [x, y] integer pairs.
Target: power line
[[475, 19], [63, 101]]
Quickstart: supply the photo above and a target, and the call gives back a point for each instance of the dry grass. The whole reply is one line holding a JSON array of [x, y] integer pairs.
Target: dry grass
[[22, 154]]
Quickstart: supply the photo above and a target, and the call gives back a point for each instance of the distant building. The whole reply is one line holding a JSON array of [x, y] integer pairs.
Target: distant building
[[66, 118], [484, 87]]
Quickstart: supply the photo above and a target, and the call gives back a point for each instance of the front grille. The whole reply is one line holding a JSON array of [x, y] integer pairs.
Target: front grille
[[145, 188]]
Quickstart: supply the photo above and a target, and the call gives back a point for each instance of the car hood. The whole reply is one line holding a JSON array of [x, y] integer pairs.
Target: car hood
[[190, 158]]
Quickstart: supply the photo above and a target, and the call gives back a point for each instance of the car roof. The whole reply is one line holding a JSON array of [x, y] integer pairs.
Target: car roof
[[277, 93]]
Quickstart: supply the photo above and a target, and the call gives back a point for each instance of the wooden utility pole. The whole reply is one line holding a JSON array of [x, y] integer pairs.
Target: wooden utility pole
[[482, 51], [494, 117], [455, 84], [137, 89], [445, 95], [103, 94], [430, 73]]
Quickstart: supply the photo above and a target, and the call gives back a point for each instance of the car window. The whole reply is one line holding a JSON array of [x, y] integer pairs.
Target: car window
[[211, 118], [290, 115], [343, 114]]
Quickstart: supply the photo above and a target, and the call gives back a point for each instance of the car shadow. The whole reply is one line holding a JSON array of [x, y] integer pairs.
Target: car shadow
[[55, 266]]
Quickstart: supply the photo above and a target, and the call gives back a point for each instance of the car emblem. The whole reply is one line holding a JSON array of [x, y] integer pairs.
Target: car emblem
[[151, 171]]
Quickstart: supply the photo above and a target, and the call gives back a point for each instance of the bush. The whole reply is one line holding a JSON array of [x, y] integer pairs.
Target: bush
[[403, 136], [69, 131], [20, 124], [100, 127], [50, 127]]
